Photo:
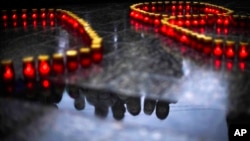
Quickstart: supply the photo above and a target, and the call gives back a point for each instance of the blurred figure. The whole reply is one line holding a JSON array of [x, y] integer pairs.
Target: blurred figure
[[101, 101], [118, 109], [162, 109], [79, 102], [149, 106], [134, 105]]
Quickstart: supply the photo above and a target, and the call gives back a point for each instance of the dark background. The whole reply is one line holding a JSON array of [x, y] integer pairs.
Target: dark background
[[243, 5]]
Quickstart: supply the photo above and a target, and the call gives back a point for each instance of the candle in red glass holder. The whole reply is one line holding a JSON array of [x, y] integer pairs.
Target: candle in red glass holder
[[146, 6], [243, 21], [72, 60], [14, 14], [202, 20], [96, 50], [7, 71], [4, 15], [153, 6], [173, 6], [85, 57], [195, 7], [43, 13], [29, 70], [243, 51], [159, 6], [157, 19], [51, 14], [218, 48], [211, 19], [220, 20], [200, 42], [230, 49], [180, 20], [58, 63], [207, 47], [24, 14], [146, 18], [132, 13], [187, 20], [195, 20], [226, 22], [34, 14], [44, 65], [187, 8]]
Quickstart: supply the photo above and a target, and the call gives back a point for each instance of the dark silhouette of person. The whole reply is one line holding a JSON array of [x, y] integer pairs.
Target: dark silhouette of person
[[79, 101], [101, 100], [149, 106], [162, 109], [118, 109], [134, 105]]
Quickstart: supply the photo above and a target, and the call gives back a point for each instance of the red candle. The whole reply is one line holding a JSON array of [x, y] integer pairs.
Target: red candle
[[243, 51], [43, 13], [85, 57], [4, 15], [207, 48], [72, 60], [44, 65], [14, 15], [7, 71], [218, 48], [34, 14], [29, 71], [51, 14], [58, 63], [230, 49], [24, 14]]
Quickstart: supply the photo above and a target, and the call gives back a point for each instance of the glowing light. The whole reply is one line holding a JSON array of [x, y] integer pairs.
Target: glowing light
[[7, 70], [218, 51], [24, 16], [97, 57], [72, 63], [44, 23], [242, 66], [58, 64], [34, 16], [46, 83], [43, 15], [4, 17], [29, 71], [29, 68], [229, 65], [14, 16], [44, 68], [243, 52], [51, 15]]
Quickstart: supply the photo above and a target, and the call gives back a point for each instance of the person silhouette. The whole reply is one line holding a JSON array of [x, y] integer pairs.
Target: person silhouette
[[162, 109]]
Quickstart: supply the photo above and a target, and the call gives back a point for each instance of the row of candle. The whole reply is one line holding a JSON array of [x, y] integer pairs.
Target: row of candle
[[217, 63], [180, 6], [45, 65], [178, 27]]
